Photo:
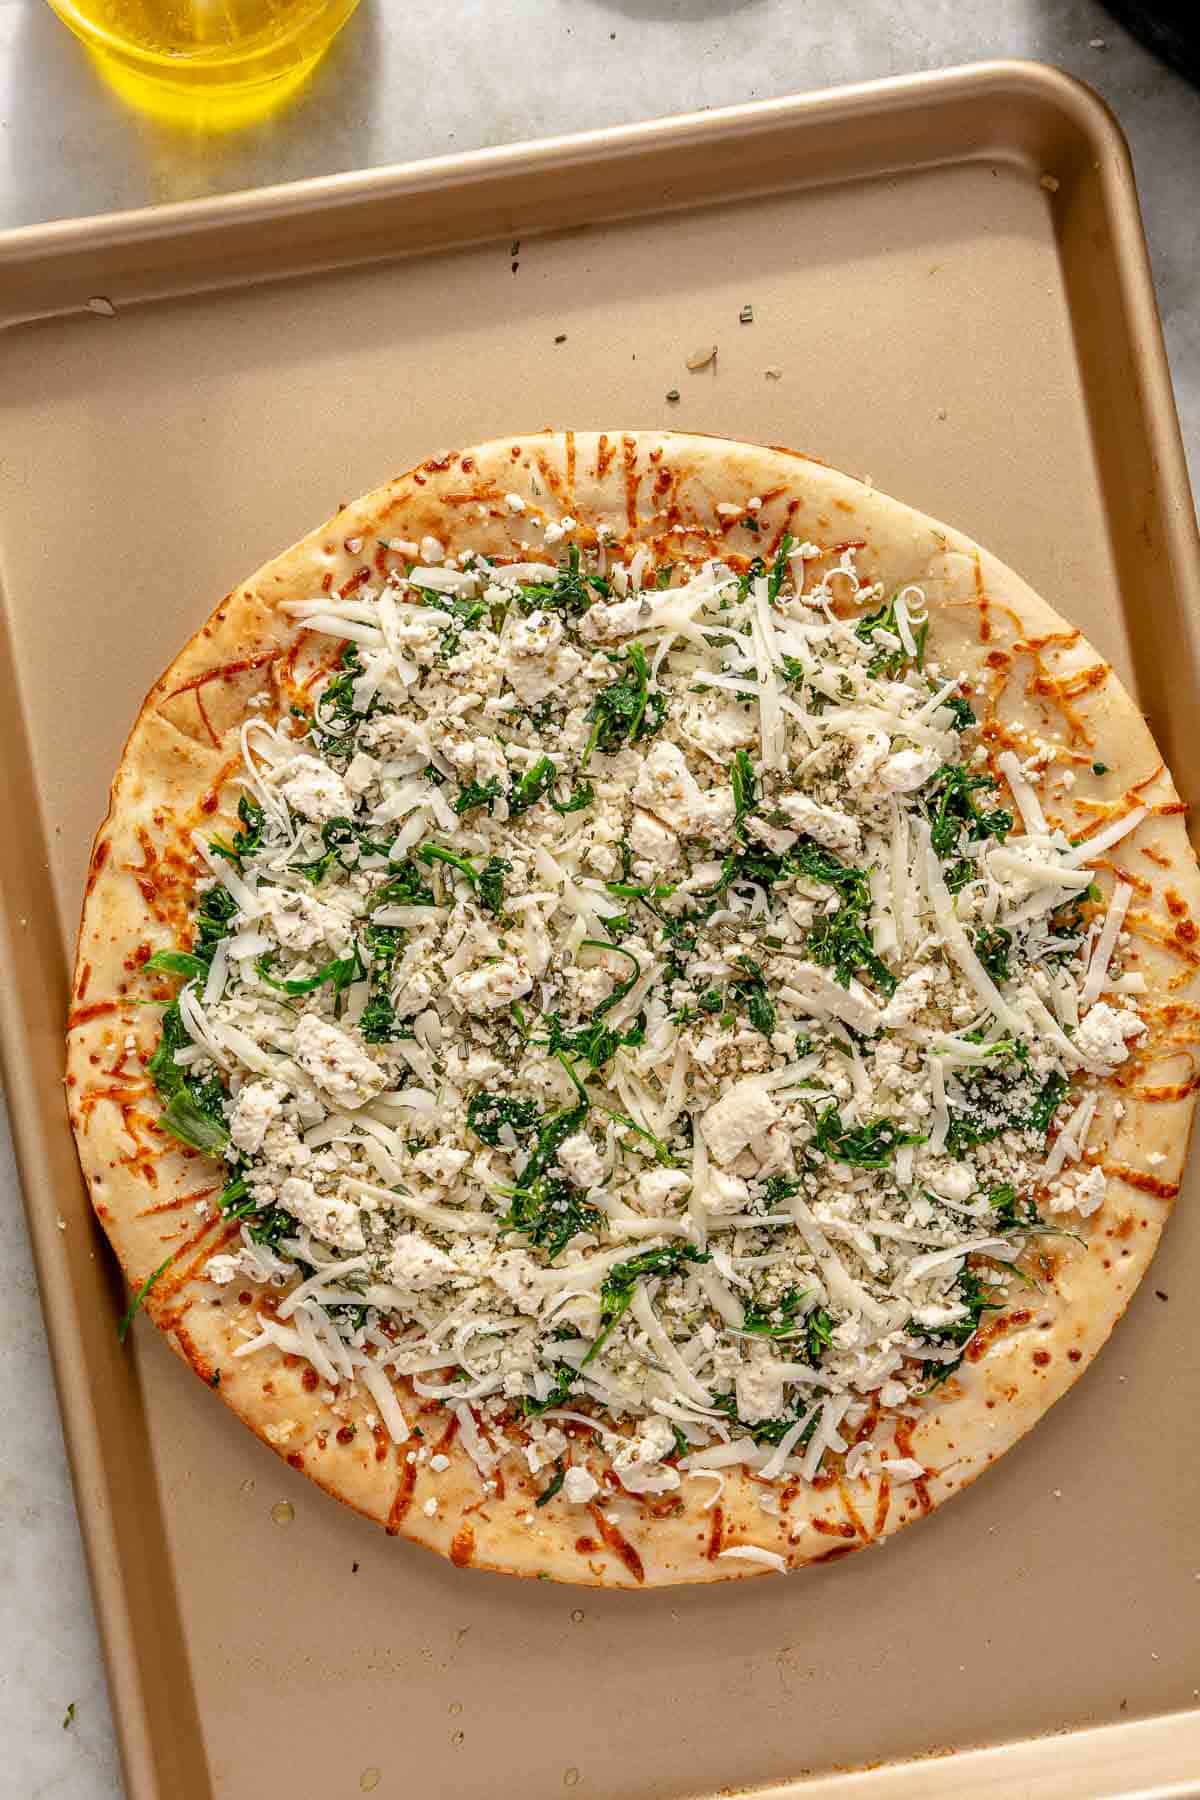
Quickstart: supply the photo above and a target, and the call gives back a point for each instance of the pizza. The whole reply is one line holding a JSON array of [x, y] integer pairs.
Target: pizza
[[635, 1007]]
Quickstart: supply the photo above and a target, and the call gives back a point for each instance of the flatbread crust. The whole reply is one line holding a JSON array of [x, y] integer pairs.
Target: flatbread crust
[[1043, 682]]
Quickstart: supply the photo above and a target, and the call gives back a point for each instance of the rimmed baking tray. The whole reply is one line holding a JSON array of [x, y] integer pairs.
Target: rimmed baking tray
[[950, 293]]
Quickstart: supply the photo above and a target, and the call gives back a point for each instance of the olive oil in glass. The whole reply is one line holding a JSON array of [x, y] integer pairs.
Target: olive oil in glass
[[232, 59]]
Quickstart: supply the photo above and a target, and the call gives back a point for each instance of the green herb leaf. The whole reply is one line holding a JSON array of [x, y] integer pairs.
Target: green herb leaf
[[532, 786], [750, 989], [488, 882], [340, 972], [188, 1121], [135, 1305], [564, 1380], [868, 1146], [953, 814], [842, 940], [477, 794], [550, 1212], [177, 962], [582, 795], [627, 711], [778, 1320], [620, 1284], [249, 839], [745, 791], [553, 1486], [487, 1112], [992, 946]]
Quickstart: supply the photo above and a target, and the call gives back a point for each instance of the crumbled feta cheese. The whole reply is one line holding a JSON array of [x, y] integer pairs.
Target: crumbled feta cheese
[[329, 1217], [336, 1063], [581, 1160], [579, 1487], [743, 1113], [1102, 1034], [313, 790], [906, 770], [826, 825], [758, 1387], [638, 1463], [495, 984], [257, 1106], [416, 1265]]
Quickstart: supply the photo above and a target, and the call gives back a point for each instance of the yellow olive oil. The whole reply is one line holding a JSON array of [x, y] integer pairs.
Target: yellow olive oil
[[213, 61]]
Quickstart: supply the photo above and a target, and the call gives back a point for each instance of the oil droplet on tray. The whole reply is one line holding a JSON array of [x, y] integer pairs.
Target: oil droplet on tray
[[455, 1707], [458, 1738], [577, 1615], [570, 1777], [283, 1512], [369, 1780]]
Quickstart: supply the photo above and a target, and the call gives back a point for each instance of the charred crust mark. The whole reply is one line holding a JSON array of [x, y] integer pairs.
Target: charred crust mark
[[177, 1277], [882, 1503], [1145, 1183], [852, 1513], [632, 479], [196, 684], [618, 1545], [834, 1528], [462, 1547], [447, 1438], [606, 452], [991, 1333], [402, 1499], [99, 858], [716, 1533], [355, 581]]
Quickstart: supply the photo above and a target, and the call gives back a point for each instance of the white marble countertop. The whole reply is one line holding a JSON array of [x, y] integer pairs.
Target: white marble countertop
[[471, 74]]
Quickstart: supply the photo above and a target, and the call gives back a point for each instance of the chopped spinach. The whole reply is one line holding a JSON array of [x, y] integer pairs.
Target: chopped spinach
[[550, 1212], [953, 814], [582, 795], [177, 962], [745, 791], [487, 1112], [555, 1482], [405, 886], [749, 989], [992, 946], [339, 972], [841, 940], [135, 1305], [564, 1380], [620, 1284], [767, 1431], [488, 882], [477, 794], [571, 592], [248, 839], [778, 1320], [532, 786], [627, 711], [868, 1146]]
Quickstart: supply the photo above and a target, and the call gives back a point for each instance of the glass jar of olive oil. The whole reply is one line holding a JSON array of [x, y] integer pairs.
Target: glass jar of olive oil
[[231, 54]]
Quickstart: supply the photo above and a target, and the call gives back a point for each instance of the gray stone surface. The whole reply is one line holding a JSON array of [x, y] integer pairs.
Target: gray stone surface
[[405, 81]]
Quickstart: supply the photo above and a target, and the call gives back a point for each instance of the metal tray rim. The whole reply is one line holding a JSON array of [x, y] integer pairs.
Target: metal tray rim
[[1155, 1744]]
